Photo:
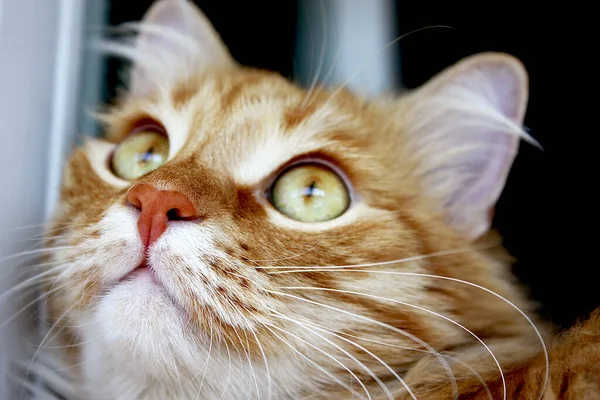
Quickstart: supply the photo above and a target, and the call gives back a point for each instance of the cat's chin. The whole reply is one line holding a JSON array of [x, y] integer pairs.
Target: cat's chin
[[137, 323], [142, 282], [139, 298]]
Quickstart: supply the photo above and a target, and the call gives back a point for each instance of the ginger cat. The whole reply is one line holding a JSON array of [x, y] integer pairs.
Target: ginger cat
[[236, 236]]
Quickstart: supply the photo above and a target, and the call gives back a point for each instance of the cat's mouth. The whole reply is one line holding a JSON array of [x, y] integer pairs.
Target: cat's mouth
[[144, 273], [143, 269]]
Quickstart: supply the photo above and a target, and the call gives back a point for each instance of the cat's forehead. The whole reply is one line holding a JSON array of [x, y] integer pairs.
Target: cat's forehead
[[250, 123]]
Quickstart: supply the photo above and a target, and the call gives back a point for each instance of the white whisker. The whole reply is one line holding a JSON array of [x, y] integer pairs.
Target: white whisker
[[35, 252], [475, 373], [25, 307], [300, 268], [327, 355], [314, 364], [283, 258], [420, 309], [337, 55], [228, 370], [247, 352], [46, 336], [537, 332], [321, 57], [368, 370], [387, 326], [174, 363], [268, 372], [207, 362], [372, 57], [34, 279]]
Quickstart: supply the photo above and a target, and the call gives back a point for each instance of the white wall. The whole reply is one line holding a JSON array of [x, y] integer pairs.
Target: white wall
[[39, 51], [344, 42]]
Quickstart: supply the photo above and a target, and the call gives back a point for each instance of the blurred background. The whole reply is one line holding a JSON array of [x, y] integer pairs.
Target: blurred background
[[50, 76]]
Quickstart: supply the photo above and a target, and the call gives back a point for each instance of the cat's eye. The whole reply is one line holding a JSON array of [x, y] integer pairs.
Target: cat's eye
[[310, 193], [139, 154]]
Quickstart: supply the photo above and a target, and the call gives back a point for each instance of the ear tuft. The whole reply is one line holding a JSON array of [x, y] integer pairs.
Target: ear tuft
[[175, 39], [465, 126]]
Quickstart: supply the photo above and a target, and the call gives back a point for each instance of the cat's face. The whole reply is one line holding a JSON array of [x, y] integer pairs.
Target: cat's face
[[204, 227]]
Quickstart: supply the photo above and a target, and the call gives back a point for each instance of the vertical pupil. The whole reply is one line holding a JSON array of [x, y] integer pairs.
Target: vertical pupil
[[148, 154], [309, 191]]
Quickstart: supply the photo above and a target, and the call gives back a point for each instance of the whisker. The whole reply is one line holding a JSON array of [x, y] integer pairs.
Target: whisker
[[372, 57], [283, 258], [537, 332], [33, 280], [33, 388], [35, 252], [300, 268], [67, 346], [45, 237], [79, 364], [229, 370], [174, 363], [475, 373], [321, 57], [336, 58], [42, 225], [45, 234], [368, 370], [22, 228], [207, 362], [387, 326], [311, 40], [266, 363], [329, 356], [247, 352], [418, 308], [250, 362], [311, 362], [25, 307], [49, 377], [46, 336]]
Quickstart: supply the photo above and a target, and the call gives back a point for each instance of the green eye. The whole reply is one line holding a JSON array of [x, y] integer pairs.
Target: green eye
[[139, 154], [310, 193]]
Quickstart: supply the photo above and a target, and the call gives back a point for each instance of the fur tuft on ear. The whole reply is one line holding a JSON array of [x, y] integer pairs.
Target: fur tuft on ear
[[464, 126], [174, 40]]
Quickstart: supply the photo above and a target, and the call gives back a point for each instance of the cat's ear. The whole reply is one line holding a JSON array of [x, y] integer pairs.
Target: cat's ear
[[464, 126], [174, 37]]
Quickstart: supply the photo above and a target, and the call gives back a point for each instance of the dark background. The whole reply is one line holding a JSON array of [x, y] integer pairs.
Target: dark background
[[546, 212]]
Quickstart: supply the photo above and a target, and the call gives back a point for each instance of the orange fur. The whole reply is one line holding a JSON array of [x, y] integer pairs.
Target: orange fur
[[238, 121]]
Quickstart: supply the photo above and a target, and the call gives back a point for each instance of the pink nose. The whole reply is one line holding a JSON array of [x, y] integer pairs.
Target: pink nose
[[158, 207]]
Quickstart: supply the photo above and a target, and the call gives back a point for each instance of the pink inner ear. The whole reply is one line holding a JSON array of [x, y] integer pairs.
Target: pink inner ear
[[480, 193], [498, 84], [467, 136]]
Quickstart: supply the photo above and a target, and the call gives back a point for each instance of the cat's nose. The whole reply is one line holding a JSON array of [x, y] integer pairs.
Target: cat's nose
[[157, 208]]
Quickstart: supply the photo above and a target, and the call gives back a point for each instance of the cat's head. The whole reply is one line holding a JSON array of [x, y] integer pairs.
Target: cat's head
[[236, 229]]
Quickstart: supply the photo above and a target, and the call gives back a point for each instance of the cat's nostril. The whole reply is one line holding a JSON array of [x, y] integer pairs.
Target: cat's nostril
[[134, 201], [174, 214]]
